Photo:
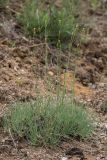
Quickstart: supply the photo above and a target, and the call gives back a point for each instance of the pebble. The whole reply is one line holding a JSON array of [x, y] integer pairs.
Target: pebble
[[64, 158]]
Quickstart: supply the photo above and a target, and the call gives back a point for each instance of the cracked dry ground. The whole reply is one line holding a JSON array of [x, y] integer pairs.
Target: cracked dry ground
[[22, 71]]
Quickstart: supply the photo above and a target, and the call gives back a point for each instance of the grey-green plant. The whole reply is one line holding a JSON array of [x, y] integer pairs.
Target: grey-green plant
[[48, 120], [51, 21], [33, 19], [3, 3], [95, 4]]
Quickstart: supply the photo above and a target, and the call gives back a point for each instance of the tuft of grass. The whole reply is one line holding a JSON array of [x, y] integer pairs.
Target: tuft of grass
[[55, 23], [33, 19], [95, 4], [62, 26], [3, 3], [47, 120]]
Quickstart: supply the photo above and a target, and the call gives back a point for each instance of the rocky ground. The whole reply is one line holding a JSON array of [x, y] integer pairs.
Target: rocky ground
[[22, 74]]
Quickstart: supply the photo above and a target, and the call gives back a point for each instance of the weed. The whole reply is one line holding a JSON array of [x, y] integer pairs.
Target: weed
[[47, 120], [3, 3], [60, 27], [33, 19], [53, 22], [95, 4]]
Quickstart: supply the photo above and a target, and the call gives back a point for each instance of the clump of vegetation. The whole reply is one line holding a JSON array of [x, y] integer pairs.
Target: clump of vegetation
[[95, 4], [51, 22], [3, 3], [33, 19], [62, 26], [48, 120]]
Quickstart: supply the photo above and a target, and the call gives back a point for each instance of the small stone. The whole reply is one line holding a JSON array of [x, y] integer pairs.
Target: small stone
[[50, 73], [64, 158]]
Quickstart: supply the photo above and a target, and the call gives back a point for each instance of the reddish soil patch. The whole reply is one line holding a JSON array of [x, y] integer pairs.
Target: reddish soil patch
[[68, 80]]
